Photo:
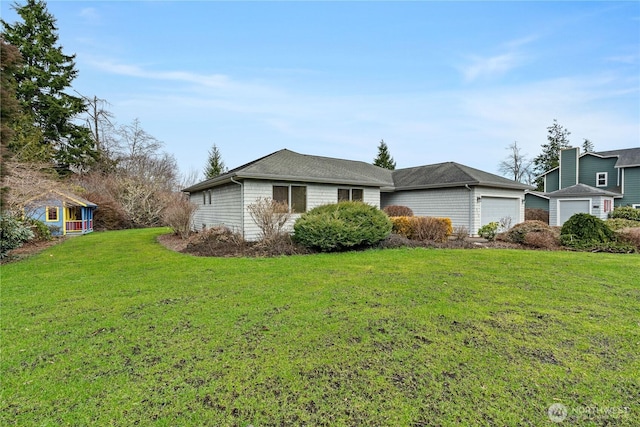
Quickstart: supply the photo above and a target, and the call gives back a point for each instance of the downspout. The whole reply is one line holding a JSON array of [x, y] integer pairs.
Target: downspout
[[471, 233], [241, 205]]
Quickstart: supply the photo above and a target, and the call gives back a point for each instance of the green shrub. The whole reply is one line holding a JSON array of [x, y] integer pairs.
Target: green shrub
[[342, 226], [489, 231], [582, 231], [40, 230], [397, 210], [13, 232], [626, 212], [620, 223]]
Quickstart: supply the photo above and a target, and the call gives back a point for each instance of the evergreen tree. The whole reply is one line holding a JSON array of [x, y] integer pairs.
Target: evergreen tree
[[587, 146], [215, 166], [557, 139], [384, 159], [41, 82]]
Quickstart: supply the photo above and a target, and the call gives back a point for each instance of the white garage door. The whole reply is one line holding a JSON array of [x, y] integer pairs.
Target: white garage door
[[567, 208], [493, 209]]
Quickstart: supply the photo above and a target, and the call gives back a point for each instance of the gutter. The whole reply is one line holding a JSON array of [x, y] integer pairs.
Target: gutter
[[241, 204], [471, 233]]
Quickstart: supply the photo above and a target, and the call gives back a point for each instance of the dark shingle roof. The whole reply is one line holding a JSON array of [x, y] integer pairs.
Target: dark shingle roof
[[287, 165], [449, 174], [581, 190], [628, 157]]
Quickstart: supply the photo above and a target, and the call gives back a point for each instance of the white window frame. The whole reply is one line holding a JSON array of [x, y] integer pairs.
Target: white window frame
[[600, 175]]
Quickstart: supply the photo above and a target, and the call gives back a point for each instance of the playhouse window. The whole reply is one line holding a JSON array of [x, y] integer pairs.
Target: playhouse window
[[52, 213]]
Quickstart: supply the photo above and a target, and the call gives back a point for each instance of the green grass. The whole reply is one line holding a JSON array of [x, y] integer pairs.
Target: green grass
[[113, 329]]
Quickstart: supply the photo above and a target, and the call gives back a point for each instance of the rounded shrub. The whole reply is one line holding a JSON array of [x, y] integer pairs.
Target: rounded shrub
[[583, 230], [397, 210], [341, 226], [13, 233]]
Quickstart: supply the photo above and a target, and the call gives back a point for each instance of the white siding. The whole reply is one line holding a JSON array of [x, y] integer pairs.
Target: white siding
[[224, 209], [516, 195], [317, 195], [561, 209], [450, 203]]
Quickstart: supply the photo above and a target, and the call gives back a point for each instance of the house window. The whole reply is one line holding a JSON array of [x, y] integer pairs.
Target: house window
[[601, 179], [52, 213], [204, 197], [353, 194], [295, 196], [607, 206]]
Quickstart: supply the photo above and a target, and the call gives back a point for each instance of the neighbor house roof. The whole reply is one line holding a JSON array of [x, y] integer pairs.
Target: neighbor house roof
[[287, 165], [69, 199], [449, 174], [628, 157], [582, 190]]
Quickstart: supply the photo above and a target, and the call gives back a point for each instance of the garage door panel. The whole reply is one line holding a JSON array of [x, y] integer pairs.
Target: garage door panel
[[568, 208], [493, 209]]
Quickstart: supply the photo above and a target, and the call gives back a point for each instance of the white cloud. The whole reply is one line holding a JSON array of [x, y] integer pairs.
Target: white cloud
[[494, 66]]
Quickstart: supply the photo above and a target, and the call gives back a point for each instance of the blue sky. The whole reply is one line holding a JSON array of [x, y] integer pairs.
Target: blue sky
[[438, 81]]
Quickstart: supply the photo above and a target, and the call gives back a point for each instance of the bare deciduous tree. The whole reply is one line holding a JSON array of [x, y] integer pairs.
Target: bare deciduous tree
[[270, 216], [516, 165]]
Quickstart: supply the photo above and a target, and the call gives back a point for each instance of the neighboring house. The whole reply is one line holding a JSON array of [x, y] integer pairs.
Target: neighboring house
[[470, 197], [64, 213], [593, 183]]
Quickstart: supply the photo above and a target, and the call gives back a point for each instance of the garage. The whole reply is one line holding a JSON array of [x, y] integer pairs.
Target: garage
[[493, 209], [568, 208]]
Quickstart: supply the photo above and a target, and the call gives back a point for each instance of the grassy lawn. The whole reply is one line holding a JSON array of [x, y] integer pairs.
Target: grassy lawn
[[114, 329]]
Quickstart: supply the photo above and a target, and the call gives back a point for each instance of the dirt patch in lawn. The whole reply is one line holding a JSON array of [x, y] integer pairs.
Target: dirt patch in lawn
[[29, 249], [226, 245]]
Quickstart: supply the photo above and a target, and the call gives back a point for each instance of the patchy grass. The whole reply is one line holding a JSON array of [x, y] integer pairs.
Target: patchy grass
[[113, 329]]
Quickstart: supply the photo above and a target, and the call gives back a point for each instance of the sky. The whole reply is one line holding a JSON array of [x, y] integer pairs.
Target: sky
[[437, 81]]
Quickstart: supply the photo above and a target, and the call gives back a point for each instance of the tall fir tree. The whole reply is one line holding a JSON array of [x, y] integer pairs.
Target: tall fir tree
[[587, 146], [41, 83], [557, 139], [384, 159], [215, 166]]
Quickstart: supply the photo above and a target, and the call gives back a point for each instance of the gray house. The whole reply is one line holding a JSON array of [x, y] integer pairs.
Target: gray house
[[470, 197], [593, 183]]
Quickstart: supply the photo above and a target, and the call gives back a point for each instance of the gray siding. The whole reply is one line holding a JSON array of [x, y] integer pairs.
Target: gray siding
[[569, 167], [631, 189], [591, 165], [552, 181], [535, 202], [453, 203]]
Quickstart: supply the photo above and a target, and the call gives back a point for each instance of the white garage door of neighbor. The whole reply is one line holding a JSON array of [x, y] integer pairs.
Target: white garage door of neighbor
[[493, 209], [567, 208]]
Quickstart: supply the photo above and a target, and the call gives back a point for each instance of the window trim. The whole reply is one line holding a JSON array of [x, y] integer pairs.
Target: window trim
[[605, 176], [50, 209], [289, 188], [350, 190]]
